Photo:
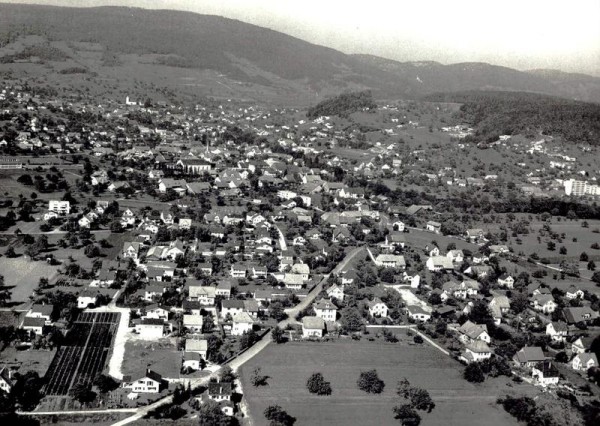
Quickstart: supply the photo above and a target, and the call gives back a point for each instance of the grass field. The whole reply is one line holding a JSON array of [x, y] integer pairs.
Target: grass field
[[458, 402], [30, 360], [23, 276]]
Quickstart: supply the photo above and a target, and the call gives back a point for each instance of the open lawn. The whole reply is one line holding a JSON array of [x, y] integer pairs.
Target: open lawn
[[288, 366], [30, 360], [162, 357], [23, 275]]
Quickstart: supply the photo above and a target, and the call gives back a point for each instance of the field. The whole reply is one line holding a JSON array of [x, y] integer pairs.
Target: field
[[288, 366], [23, 276], [84, 353], [30, 360]]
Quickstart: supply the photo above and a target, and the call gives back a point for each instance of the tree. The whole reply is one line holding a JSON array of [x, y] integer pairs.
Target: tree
[[278, 416], [473, 373], [591, 266], [316, 383], [278, 335], [351, 320], [210, 414], [407, 415], [562, 250], [551, 245], [116, 227], [92, 250], [421, 400], [105, 383], [248, 339], [403, 388], [227, 375], [82, 393], [418, 339], [27, 390], [596, 277], [370, 382], [583, 257], [257, 378]]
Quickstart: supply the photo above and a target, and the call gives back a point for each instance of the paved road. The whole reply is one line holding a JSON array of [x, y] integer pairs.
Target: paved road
[[236, 363]]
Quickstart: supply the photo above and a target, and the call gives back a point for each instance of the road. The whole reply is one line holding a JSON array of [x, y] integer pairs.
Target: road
[[258, 347]]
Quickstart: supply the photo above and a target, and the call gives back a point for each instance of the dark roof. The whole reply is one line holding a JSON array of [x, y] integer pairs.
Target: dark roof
[[34, 322], [221, 388]]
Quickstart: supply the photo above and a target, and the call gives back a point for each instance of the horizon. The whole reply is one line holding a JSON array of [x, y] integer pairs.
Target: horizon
[[567, 40]]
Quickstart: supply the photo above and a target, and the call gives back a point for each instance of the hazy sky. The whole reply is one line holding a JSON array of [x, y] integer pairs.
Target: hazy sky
[[522, 34]]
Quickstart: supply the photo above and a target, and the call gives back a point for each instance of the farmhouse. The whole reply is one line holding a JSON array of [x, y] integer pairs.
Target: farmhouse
[[579, 314], [417, 313], [390, 261], [439, 263], [470, 332], [434, 226], [558, 331], [34, 324], [40, 311], [86, 298], [529, 356], [220, 391], [231, 307]]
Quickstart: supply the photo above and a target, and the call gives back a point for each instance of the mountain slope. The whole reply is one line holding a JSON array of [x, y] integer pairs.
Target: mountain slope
[[174, 46]]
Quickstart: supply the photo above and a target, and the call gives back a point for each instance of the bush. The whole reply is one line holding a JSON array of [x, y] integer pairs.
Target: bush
[[407, 415], [473, 373], [418, 339]]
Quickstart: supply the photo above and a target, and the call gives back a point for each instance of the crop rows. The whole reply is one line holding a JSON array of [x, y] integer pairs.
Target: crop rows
[[84, 354]]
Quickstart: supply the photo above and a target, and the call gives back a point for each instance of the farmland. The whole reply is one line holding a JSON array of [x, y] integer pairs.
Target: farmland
[[23, 276], [84, 354], [458, 402]]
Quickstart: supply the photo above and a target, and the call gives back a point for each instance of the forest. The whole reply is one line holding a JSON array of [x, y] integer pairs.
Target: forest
[[343, 104], [508, 113]]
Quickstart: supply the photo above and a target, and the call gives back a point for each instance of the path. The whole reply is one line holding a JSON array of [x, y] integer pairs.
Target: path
[[412, 328], [118, 348], [237, 362], [282, 242], [53, 413]]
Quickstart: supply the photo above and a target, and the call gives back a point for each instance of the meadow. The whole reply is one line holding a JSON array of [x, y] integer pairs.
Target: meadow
[[288, 366]]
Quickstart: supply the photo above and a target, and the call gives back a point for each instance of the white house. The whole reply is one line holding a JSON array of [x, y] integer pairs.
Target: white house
[[312, 327], [242, 323], [476, 351], [325, 309], [585, 361], [336, 292], [439, 263], [545, 374], [150, 328], [59, 207], [150, 382], [193, 323], [390, 261], [417, 313], [558, 331], [377, 308]]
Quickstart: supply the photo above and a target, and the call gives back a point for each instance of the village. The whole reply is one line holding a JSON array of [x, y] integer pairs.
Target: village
[[150, 250]]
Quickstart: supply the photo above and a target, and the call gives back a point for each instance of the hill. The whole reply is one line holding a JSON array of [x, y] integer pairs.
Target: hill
[[209, 55], [505, 113], [343, 105]]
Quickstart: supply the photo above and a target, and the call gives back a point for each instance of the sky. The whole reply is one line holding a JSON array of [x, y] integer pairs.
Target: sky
[[521, 34]]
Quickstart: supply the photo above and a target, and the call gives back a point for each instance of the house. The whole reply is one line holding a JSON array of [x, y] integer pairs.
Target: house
[[293, 281], [585, 361], [336, 292], [417, 313], [6, 381], [475, 351], [325, 309], [496, 249], [193, 323], [224, 289], [439, 263], [220, 391], [475, 235], [499, 305], [470, 332], [203, 294], [390, 261], [581, 345], [574, 293], [238, 270], [199, 346], [543, 303], [455, 256], [153, 291], [301, 269], [506, 280], [579, 315], [39, 310], [242, 323], [34, 324], [545, 374], [150, 382], [131, 250], [529, 356], [377, 308], [312, 327], [154, 311], [191, 361], [150, 328], [231, 308], [86, 298], [59, 207], [399, 226], [433, 226], [558, 331]]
